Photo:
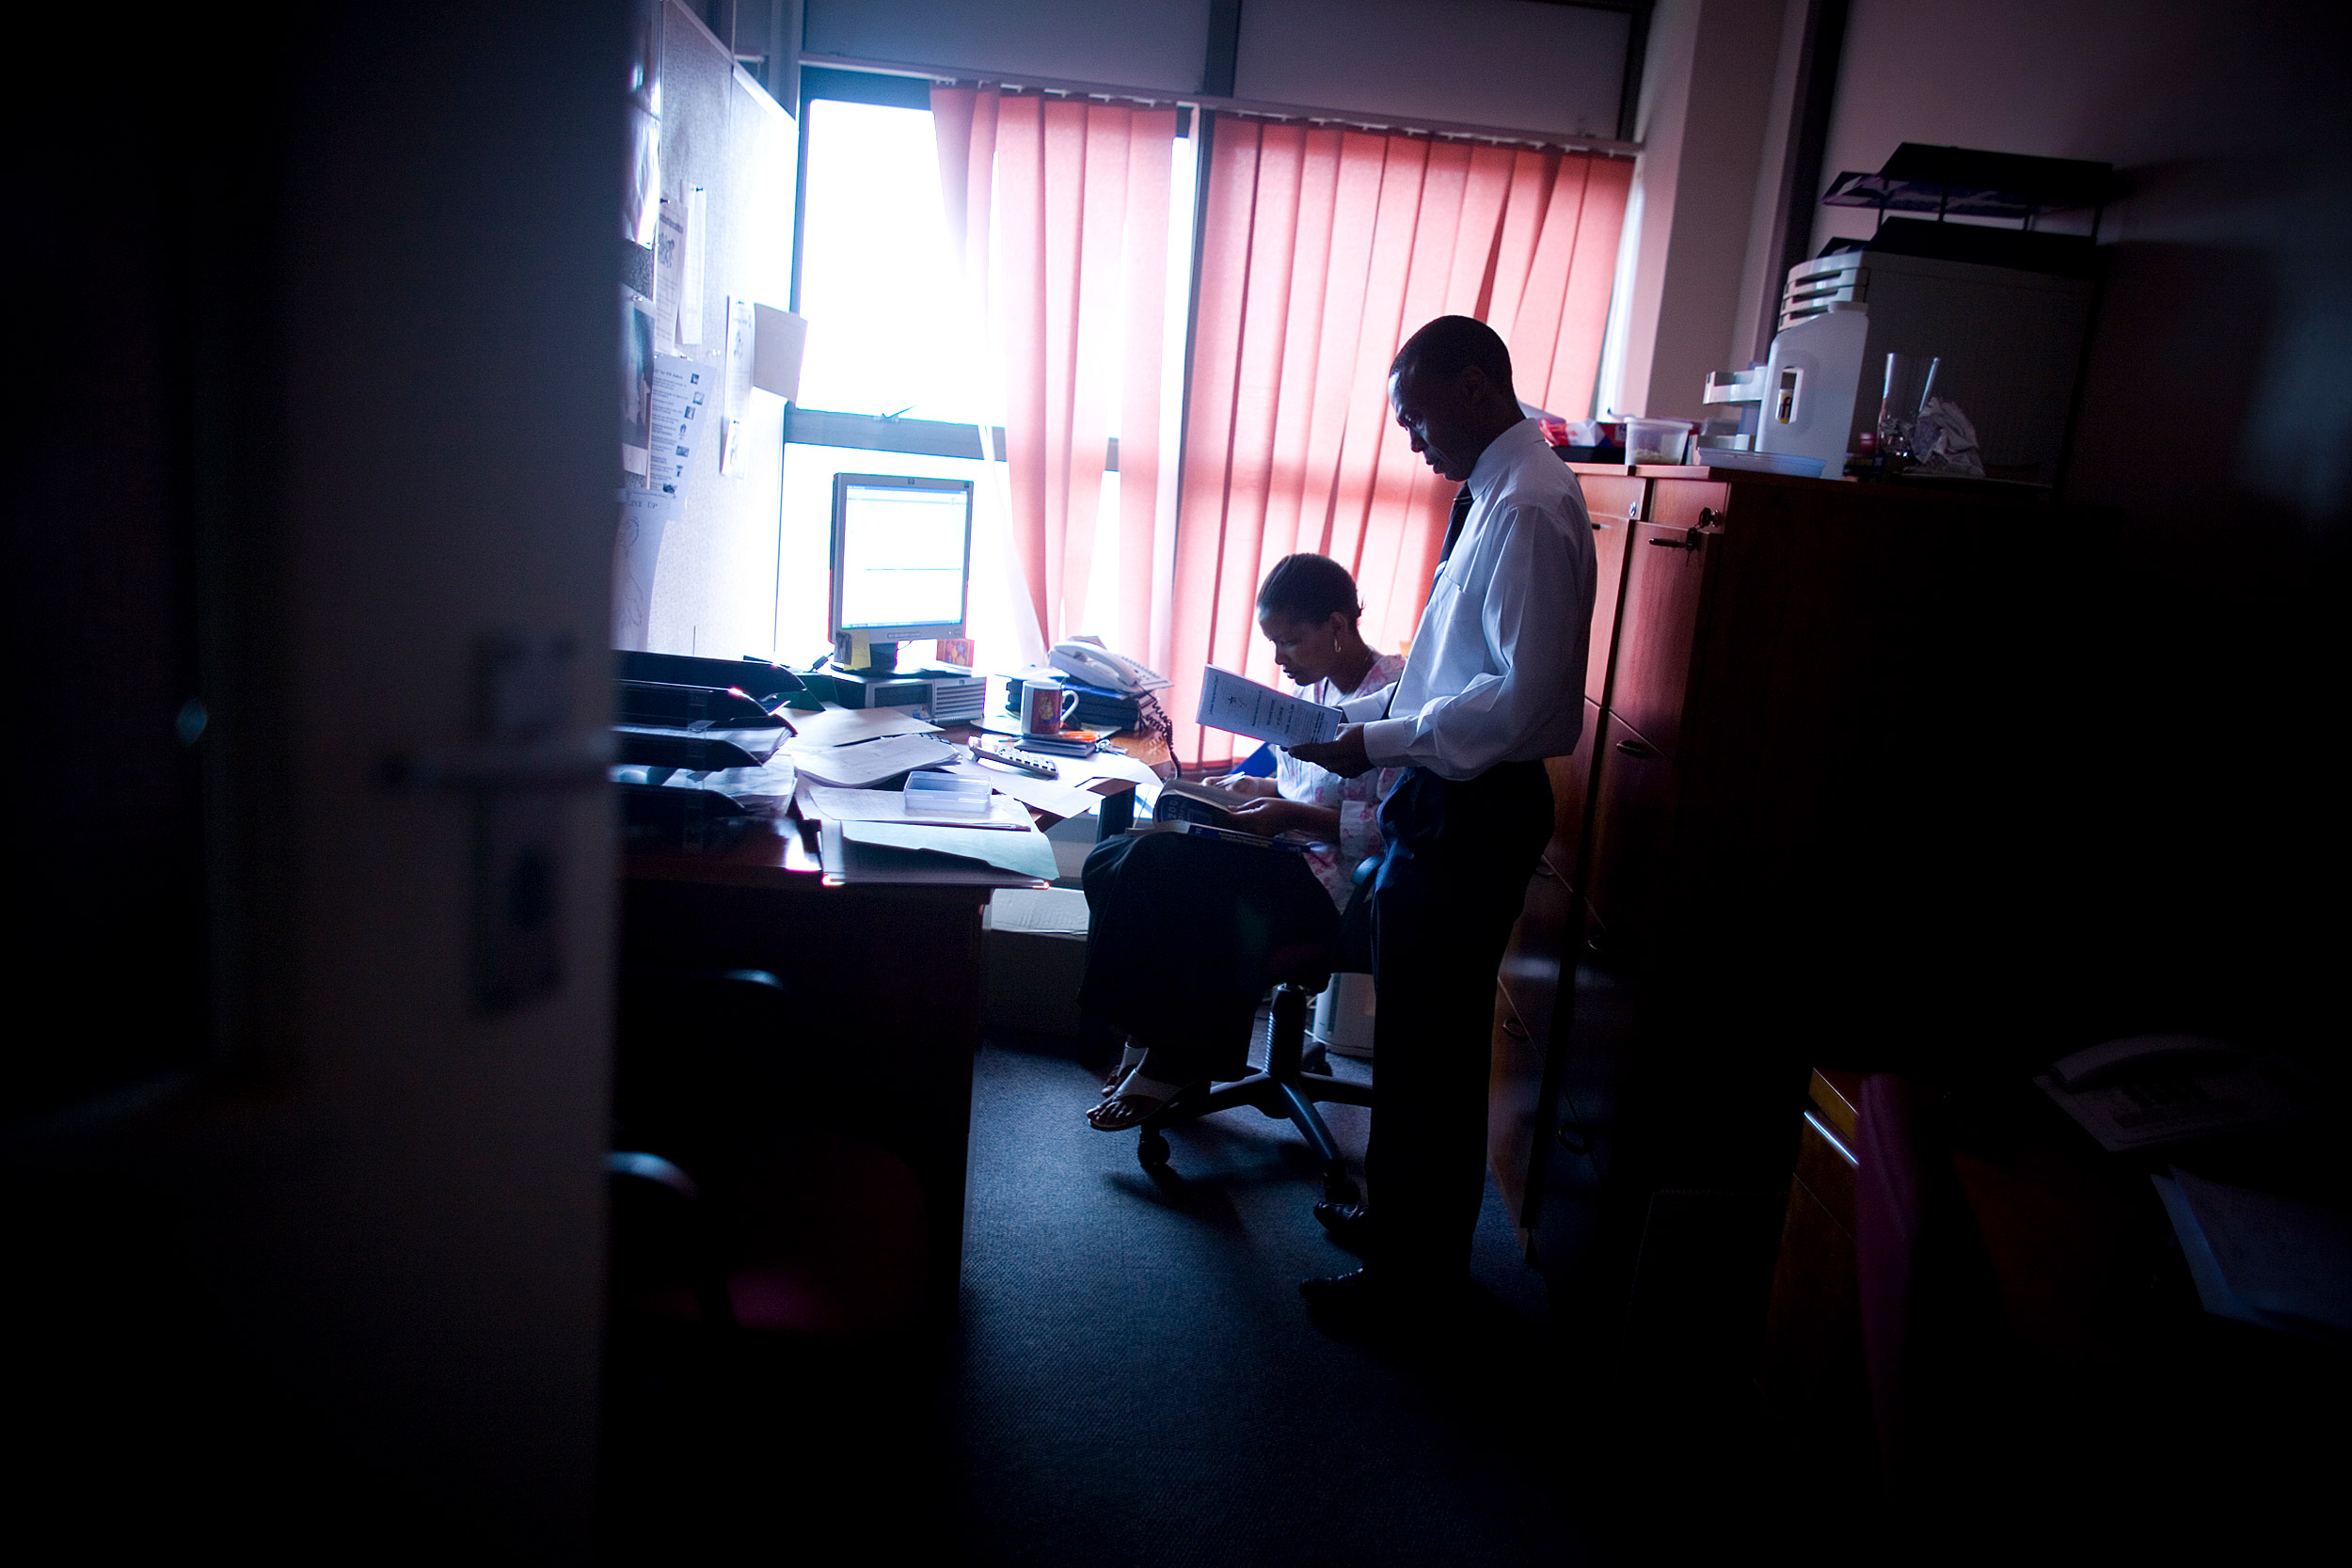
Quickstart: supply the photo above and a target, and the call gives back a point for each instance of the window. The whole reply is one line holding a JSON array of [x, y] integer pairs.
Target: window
[[897, 364]]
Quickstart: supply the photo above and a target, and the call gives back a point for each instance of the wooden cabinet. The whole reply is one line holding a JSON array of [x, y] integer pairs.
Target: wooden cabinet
[[1634, 789], [1614, 505], [1765, 842], [1664, 580], [1812, 1378]]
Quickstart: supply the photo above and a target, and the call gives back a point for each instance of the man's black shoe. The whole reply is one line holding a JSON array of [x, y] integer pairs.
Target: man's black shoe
[[1349, 1225], [1355, 1294]]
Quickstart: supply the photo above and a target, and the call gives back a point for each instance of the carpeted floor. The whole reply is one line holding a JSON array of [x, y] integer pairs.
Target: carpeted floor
[[1138, 1382]]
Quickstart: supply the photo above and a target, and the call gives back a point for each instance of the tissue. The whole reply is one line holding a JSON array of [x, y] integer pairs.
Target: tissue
[[1945, 442]]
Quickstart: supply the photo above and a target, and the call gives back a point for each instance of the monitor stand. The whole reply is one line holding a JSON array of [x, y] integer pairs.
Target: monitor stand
[[881, 658]]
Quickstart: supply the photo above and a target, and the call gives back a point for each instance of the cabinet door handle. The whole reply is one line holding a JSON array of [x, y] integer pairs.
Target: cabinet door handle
[[1543, 869], [1514, 1028], [1637, 748], [1689, 541]]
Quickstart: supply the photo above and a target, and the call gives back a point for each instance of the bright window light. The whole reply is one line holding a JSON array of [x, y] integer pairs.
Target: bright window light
[[878, 283]]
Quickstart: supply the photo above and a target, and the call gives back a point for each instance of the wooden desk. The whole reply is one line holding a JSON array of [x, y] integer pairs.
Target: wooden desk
[[886, 980]]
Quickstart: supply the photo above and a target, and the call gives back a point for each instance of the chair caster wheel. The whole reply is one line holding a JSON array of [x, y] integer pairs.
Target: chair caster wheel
[[1341, 1189], [1151, 1150]]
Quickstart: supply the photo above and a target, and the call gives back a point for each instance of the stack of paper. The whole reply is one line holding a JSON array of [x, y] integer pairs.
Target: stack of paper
[[828, 803], [853, 748], [2267, 1260], [1048, 910]]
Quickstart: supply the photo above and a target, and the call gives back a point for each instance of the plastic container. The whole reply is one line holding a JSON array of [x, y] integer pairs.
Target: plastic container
[[1656, 440], [948, 795]]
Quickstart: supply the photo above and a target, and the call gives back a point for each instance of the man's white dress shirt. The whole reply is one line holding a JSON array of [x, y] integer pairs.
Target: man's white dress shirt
[[1497, 669]]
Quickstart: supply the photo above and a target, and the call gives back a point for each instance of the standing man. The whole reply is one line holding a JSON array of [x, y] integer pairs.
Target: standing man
[[1493, 685]]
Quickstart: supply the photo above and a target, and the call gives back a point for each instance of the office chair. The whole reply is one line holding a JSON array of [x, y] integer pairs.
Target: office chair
[[732, 1212], [764, 1333], [1293, 1081]]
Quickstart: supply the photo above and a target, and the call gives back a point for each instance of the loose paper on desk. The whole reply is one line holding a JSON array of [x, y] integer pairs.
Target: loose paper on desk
[[870, 762], [681, 407], [1242, 706], [832, 803], [840, 726], [854, 862], [1046, 794], [763, 791], [1026, 854]]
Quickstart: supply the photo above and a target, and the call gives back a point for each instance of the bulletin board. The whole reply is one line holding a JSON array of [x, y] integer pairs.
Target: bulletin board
[[714, 589]]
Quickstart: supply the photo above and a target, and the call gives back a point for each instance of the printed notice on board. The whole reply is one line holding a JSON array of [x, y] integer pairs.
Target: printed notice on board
[[669, 273], [681, 407], [741, 344], [1241, 707]]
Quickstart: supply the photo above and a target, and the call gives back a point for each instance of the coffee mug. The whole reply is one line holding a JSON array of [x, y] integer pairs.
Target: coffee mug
[[1044, 706]]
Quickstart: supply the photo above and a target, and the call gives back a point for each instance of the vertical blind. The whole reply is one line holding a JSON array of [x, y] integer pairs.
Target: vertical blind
[[1322, 249], [1061, 210]]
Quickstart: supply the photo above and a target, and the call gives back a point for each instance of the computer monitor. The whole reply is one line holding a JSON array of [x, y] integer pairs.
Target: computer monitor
[[901, 560]]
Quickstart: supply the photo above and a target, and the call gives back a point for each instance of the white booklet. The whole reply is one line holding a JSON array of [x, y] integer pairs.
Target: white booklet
[[1240, 705]]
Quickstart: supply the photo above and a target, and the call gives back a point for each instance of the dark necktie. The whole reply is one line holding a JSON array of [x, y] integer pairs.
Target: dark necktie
[[1453, 524], [1462, 500]]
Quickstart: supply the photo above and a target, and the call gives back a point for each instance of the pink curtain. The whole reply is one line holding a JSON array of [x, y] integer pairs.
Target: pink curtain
[[1321, 250], [1059, 210]]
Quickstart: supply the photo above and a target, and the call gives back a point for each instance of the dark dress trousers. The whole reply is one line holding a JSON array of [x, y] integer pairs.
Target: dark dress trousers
[[1448, 891], [1181, 933]]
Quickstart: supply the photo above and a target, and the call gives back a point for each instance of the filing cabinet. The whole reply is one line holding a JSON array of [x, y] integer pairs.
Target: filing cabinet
[[1765, 824]]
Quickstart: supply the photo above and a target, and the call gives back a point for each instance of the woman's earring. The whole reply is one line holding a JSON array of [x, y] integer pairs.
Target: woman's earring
[[1335, 644]]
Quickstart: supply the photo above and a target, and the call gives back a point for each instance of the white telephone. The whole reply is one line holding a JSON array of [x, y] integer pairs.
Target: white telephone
[[2101, 1065], [1088, 660]]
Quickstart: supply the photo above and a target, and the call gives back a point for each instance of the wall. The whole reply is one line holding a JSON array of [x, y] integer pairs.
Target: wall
[[1482, 62], [2170, 766], [1713, 124], [2228, 309], [1144, 43], [1521, 64]]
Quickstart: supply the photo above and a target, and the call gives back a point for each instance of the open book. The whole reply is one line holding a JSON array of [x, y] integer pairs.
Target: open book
[[1180, 801]]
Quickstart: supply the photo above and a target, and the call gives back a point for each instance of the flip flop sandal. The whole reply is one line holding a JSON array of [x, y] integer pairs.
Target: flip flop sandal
[[1129, 1059], [1138, 1100]]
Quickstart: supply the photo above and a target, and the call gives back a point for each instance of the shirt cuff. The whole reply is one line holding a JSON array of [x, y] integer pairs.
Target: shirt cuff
[[1371, 706], [1385, 740]]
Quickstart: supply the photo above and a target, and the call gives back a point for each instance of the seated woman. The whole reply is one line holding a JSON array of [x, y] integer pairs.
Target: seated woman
[[1182, 926]]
